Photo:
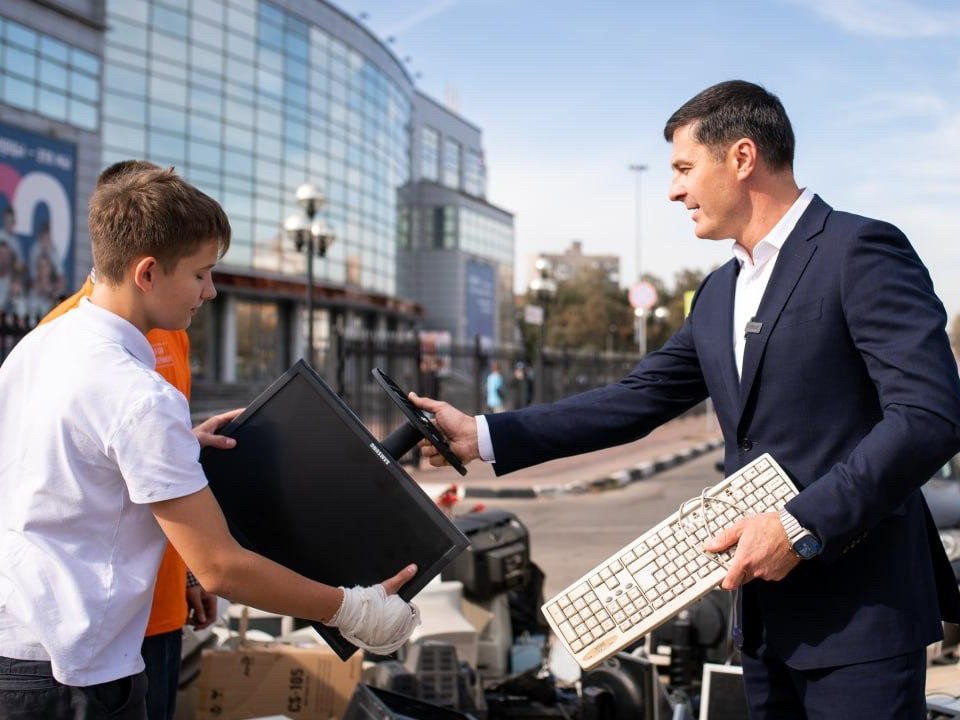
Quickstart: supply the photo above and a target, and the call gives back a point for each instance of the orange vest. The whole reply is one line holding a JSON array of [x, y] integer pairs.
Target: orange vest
[[172, 348]]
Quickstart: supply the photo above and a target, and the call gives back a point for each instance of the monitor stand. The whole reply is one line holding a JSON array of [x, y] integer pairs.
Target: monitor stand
[[416, 427]]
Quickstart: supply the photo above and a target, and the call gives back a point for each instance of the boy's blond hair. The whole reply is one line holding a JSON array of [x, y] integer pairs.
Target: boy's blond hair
[[151, 213]]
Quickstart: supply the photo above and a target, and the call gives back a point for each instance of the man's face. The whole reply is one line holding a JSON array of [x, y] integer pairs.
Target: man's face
[[706, 186], [178, 295]]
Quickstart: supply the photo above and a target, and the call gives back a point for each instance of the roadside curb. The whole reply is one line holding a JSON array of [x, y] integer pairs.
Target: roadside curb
[[619, 479]]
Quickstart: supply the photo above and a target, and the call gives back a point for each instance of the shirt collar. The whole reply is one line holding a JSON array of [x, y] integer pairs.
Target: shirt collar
[[115, 328], [771, 243]]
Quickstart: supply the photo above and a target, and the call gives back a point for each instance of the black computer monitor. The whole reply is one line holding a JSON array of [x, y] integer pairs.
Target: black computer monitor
[[310, 487], [370, 703]]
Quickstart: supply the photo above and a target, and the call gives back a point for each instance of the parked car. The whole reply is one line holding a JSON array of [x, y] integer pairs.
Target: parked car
[[942, 492]]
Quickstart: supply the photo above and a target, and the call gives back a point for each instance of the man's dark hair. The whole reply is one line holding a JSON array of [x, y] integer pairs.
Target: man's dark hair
[[123, 167], [728, 111]]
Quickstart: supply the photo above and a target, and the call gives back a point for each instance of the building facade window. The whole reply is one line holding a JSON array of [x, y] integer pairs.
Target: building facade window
[[451, 163], [444, 224], [248, 101], [486, 237], [430, 154], [258, 340], [47, 76], [474, 174]]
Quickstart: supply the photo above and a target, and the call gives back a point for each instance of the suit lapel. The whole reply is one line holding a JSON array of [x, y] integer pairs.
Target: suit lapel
[[791, 262], [728, 360]]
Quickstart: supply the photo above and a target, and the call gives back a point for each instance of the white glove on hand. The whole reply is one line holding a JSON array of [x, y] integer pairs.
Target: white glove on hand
[[373, 620]]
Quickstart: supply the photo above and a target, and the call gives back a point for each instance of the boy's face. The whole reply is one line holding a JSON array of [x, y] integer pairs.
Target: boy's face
[[178, 295]]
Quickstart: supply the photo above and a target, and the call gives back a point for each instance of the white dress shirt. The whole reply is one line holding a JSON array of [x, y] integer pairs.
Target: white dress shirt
[[89, 434], [755, 272], [754, 275]]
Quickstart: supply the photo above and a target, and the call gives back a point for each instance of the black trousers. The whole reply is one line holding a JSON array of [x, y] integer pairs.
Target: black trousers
[[888, 689], [161, 655], [28, 691]]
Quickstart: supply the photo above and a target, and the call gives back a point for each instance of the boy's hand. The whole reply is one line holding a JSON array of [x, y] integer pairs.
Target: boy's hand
[[206, 431], [392, 585]]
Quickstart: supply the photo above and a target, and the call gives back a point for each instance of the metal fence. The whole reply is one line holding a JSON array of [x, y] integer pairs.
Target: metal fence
[[12, 330], [458, 373], [455, 373]]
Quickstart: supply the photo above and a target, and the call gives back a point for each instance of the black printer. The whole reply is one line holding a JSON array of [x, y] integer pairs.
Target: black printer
[[498, 558]]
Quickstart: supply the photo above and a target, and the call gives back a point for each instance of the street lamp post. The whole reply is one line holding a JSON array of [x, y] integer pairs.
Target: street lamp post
[[637, 169], [659, 314], [312, 236], [543, 287]]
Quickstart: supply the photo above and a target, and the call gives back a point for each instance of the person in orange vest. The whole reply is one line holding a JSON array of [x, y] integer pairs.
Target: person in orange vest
[[177, 595]]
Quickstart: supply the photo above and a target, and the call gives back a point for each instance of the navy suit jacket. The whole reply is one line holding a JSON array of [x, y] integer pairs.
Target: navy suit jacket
[[851, 386]]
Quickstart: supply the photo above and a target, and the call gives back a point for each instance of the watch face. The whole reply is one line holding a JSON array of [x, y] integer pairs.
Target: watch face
[[807, 547]]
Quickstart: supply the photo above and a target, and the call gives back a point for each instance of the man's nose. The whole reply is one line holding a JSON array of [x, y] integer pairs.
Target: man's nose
[[675, 192]]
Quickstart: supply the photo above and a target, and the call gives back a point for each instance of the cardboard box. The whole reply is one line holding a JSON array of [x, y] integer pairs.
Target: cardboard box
[[262, 679]]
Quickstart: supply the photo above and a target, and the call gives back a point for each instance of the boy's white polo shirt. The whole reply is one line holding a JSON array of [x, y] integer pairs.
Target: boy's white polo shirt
[[89, 434]]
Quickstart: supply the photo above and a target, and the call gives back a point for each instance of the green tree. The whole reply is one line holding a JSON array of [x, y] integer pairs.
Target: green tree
[[659, 331], [589, 312]]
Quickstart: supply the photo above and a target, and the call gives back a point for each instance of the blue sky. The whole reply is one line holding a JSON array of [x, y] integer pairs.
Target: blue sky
[[569, 93]]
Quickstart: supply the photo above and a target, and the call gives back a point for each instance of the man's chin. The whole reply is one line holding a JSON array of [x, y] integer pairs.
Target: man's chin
[[709, 234]]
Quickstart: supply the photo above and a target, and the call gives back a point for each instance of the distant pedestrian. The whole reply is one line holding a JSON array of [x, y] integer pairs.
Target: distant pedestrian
[[495, 388], [523, 375]]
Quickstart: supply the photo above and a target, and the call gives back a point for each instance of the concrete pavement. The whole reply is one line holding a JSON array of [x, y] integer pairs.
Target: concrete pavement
[[668, 446]]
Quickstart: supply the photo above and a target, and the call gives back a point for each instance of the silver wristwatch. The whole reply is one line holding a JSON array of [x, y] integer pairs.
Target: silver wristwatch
[[805, 544]]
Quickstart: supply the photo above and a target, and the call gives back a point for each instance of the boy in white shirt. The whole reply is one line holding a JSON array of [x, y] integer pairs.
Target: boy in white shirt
[[93, 442]]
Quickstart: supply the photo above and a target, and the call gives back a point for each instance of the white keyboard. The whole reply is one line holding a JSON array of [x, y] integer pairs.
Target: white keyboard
[[643, 585]]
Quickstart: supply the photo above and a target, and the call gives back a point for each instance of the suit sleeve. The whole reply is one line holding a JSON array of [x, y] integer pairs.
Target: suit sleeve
[[897, 324], [661, 386]]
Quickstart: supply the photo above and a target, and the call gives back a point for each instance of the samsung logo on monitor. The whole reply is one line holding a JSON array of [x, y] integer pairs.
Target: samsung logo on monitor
[[380, 454]]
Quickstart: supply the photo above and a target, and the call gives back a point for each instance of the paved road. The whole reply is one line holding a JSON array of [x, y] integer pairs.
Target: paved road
[[569, 534]]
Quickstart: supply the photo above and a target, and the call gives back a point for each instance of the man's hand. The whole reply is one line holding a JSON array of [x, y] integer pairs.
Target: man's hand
[[201, 607], [460, 430], [763, 550], [206, 431]]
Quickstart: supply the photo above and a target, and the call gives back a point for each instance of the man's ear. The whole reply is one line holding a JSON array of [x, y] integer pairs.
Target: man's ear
[[145, 273], [743, 154]]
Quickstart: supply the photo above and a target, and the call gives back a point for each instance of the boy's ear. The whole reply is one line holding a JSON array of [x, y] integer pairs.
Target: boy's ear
[[145, 273]]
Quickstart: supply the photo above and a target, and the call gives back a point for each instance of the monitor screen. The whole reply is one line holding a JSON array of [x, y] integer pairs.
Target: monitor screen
[[308, 486]]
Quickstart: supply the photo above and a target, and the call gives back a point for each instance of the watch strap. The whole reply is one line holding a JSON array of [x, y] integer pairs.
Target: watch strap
[[791, 526]]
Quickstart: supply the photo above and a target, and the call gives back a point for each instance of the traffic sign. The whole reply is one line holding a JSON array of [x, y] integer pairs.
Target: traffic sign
[[533, 315], [643, 295]]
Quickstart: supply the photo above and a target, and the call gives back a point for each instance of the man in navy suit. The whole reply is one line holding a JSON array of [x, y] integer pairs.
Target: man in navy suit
[[821, 342]]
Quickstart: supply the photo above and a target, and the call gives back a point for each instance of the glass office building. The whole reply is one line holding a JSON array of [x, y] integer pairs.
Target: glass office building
[[248, 99], [456, 248]]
